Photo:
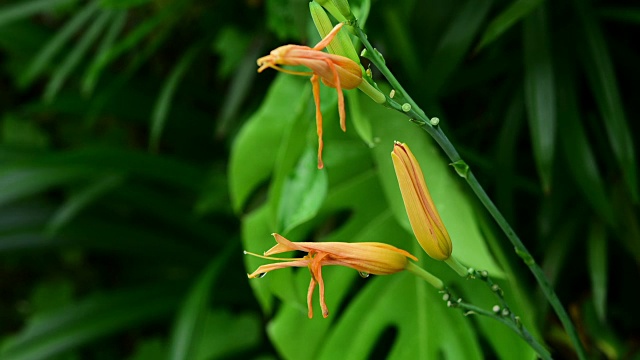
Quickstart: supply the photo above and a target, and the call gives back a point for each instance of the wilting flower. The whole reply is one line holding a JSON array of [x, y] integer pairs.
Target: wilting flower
[[335, 71], [423, 215], [367, 257]]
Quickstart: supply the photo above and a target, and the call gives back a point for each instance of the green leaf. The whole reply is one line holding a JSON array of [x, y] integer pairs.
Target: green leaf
[[23, 182], [597, 260], [225, 334], [163, 104], [518, 10], [21, 133], [455, 43], [539, 89], [302, 194], [80, 200], [361, 124], [625, 14], [57, 42], [389, 302], [122, 4], [232, 46], [287, 18], [94, 317], [580, 157], [151, 349], [187, 330], [48, 296], [133, 38], [255, 149], [24, 9], [602, 78], [61, 74]]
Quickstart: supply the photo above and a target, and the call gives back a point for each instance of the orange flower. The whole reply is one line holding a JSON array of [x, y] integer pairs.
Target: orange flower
[[368, 257], [335, 71], [423, 215]]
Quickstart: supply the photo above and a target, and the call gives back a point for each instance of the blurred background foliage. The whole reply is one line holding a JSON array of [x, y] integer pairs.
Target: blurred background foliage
[[140, 153]]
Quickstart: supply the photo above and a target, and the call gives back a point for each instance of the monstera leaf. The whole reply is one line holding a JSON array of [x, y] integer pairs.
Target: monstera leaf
[[356, 199]]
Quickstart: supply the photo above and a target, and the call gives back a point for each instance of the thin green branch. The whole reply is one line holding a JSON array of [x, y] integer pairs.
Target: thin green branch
[[416, 114], [501, 316]]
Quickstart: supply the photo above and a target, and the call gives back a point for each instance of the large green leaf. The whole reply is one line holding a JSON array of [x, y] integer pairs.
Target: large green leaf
[[255, 148], [363, 204]]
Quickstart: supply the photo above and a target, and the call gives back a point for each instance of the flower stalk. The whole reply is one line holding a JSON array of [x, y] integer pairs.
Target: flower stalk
[[416, 113]]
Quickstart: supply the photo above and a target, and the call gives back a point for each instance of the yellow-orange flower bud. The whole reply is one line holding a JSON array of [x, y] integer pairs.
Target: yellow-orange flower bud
[[423, 215]]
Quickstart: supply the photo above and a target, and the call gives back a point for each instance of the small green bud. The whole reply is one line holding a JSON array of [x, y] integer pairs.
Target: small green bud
[[392, 94], [434, 121], [406, 107]]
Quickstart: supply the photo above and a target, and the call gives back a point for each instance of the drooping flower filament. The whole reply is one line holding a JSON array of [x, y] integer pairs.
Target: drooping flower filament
[[335, 71]]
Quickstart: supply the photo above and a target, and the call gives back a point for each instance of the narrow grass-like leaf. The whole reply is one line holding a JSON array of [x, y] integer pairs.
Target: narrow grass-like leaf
[[580, 157], [123, 4], [602, 77], [455, 43], [81, 199], [188, 327], [240, 85], [539, 88], [29, 176], [94, 317], [23, 182], [506, 155], [163, 104], [54, 46], [132, 39], [597, 259], [25, 9], [629, 14], [112, 33], [61, 74], [506, 19]]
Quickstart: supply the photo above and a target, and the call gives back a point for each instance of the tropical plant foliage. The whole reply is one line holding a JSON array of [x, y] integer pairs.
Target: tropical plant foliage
[[140, 153]]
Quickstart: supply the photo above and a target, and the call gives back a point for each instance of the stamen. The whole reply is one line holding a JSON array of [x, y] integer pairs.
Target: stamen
[[271, 257], [292, 72]]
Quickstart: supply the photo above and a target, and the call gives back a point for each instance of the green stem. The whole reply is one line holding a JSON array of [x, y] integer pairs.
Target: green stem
[[417, 115], [425, 275], [520, 330], [456, 266]]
